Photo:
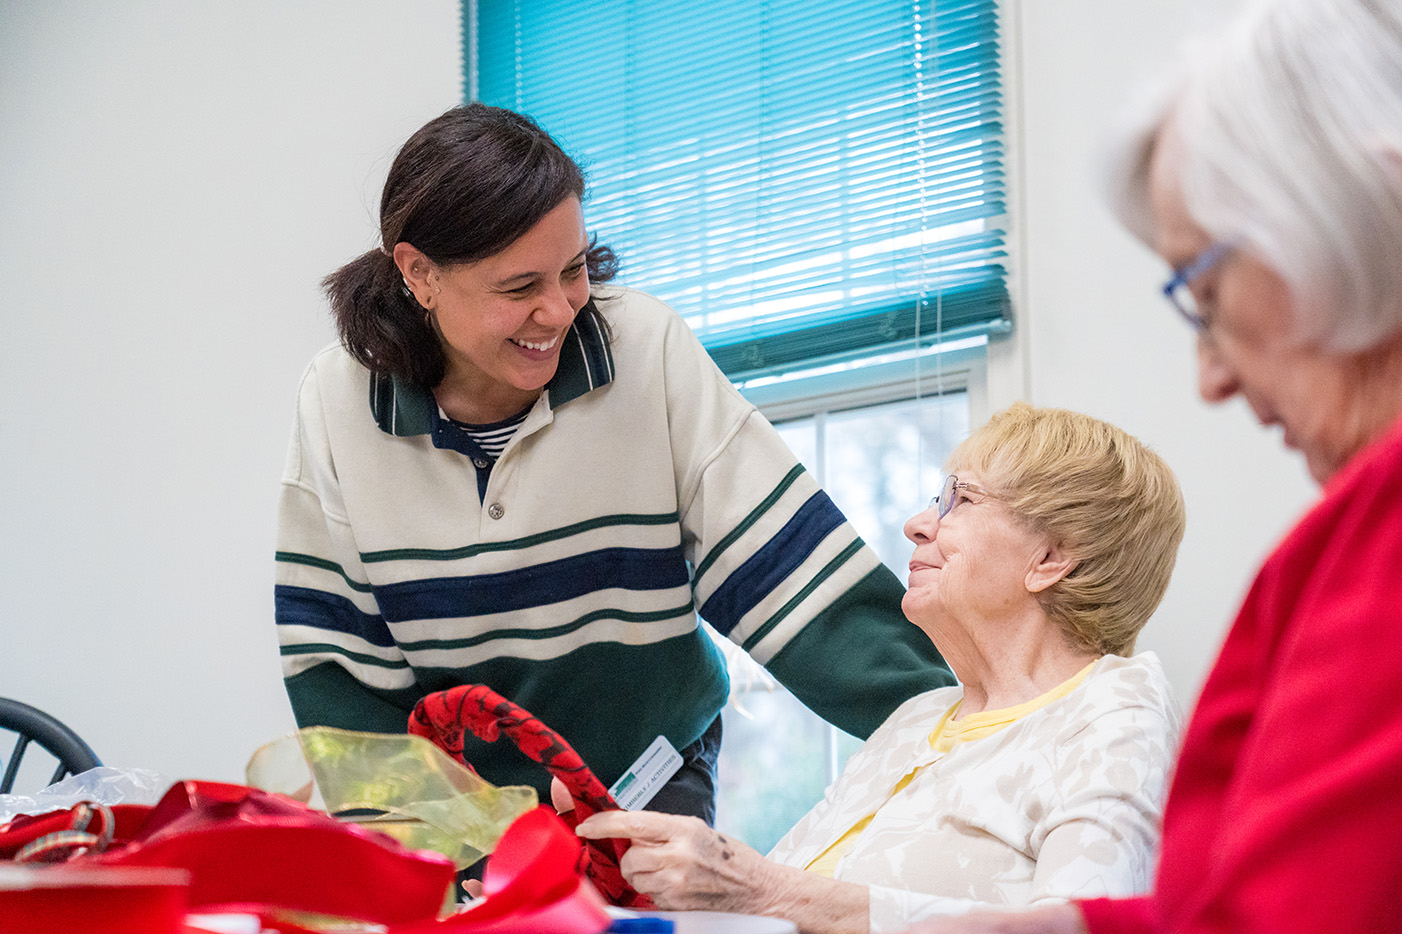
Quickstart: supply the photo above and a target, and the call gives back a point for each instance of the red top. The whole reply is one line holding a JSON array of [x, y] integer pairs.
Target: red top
[[1285, 813]]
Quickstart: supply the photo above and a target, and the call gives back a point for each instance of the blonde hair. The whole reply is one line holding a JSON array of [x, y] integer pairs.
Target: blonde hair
[[1108, 501]]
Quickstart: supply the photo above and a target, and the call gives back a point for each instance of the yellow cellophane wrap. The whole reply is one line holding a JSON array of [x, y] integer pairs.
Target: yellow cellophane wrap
[[420, 796]]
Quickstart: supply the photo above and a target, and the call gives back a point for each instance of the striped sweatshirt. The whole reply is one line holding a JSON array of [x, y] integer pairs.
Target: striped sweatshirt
[[641, 490]]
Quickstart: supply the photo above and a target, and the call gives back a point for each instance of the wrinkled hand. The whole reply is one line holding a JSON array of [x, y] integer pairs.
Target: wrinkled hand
[[684, 864], [1057, 919]]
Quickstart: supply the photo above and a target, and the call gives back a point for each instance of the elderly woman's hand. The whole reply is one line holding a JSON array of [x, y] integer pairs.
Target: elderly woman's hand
[[682, 863], [686, 866]]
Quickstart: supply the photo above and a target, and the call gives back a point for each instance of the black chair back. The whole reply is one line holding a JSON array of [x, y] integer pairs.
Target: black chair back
[[34, 726]]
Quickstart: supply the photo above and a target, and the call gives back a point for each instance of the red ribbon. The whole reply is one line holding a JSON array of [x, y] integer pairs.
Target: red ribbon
[[248, 851], [443, 716], [533, 886]]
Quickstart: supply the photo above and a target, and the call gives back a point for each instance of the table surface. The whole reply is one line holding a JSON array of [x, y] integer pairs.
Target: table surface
[[720, 922]]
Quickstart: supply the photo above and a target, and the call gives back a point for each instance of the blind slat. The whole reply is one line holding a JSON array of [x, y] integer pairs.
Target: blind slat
[[797, 179]]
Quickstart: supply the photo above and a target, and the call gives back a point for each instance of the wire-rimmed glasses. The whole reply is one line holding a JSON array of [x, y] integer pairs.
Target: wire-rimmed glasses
[[951, 491], [1177, 290]]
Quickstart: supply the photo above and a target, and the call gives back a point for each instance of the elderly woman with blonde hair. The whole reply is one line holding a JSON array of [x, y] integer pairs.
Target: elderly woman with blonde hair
[[1040, 777]]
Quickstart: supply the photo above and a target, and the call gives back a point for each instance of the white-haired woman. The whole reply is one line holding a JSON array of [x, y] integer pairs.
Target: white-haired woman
[[1037, 779], [1271, 182]]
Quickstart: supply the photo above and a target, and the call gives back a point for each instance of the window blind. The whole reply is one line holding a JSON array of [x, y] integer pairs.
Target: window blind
[[803, 181]]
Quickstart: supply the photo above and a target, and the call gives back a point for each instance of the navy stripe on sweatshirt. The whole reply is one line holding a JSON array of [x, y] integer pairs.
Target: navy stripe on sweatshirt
[[537, 585], [302, 606], [767, 568]]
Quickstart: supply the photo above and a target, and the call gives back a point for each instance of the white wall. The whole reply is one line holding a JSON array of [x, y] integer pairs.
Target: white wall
[[175, 178], [1099, 336]]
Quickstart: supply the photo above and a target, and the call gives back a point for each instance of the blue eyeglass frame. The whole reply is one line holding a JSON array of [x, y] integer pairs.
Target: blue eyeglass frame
[[1184, 275]]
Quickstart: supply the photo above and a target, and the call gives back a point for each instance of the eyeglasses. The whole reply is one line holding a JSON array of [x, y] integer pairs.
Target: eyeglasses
[[950, 492], [1176, 289]]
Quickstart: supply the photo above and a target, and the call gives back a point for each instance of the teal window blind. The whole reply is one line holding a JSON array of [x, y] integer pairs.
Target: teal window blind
[[805, 182]]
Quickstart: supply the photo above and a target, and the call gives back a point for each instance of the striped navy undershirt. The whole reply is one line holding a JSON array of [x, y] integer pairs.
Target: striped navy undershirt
[[491, 438]]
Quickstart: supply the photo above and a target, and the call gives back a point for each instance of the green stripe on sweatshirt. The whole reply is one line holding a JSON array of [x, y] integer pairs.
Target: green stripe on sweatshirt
[[467, 551], [828, 570], [745, 524], [551, 632], [292, 557], [325, 648]]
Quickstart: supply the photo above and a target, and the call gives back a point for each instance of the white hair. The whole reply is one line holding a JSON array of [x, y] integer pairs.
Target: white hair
[[1289, 132]]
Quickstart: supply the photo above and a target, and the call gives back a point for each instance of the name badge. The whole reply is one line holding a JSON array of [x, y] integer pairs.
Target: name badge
[[649, 773]]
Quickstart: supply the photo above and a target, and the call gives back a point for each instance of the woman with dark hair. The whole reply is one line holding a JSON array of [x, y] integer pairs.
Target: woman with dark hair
[[506, 475]]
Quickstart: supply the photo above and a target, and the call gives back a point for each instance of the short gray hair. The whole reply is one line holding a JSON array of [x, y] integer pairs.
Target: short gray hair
[[1289, 127]]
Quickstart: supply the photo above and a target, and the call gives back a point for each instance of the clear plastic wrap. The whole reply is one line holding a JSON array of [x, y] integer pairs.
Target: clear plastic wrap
[[102, 785]]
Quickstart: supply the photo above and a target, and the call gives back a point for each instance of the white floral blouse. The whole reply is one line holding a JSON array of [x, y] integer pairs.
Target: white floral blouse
[[1064, 803]]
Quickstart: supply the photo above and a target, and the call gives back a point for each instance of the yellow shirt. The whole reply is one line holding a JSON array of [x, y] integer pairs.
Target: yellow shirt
[[943, 738]]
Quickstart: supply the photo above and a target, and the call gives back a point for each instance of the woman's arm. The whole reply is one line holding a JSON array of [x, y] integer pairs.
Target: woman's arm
[[1078, 858], [686, 866], [341, 666], [777, 568]]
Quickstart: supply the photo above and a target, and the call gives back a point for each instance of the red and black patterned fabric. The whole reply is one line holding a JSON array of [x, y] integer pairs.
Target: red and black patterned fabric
[[443, 716]]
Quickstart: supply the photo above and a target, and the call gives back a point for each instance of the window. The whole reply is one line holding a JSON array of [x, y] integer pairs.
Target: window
[[806, 182]]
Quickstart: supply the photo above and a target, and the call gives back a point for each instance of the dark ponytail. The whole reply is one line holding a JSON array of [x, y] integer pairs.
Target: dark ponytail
[[381, 326], [464, 187]]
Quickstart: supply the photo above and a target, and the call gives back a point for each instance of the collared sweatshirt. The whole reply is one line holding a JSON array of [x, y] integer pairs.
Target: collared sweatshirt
[[640, 491]]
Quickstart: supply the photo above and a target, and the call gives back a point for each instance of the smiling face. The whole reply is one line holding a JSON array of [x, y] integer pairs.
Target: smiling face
[[1320, 399], [501, 320], [973, 568]]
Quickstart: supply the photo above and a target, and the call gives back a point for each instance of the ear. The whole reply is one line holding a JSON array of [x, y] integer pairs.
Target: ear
[[1053, 565], [419, 272], [1390, 153]]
